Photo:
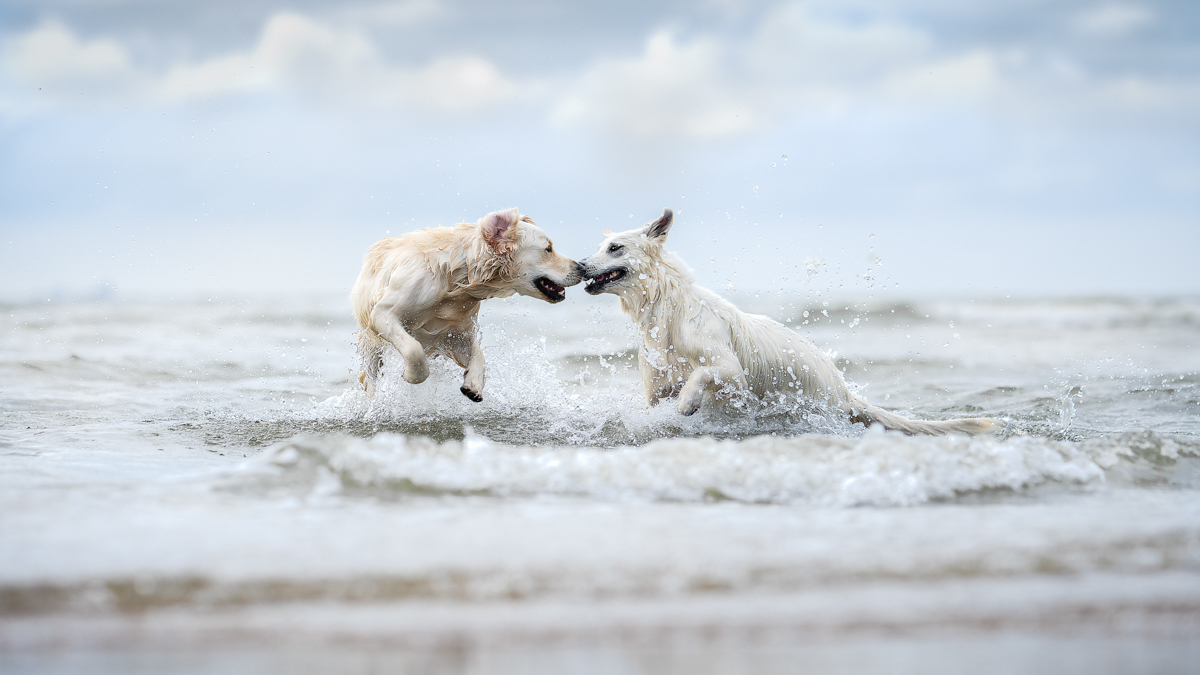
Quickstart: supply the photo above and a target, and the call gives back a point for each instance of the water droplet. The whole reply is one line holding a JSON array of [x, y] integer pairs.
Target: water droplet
[[756, 188], [785, 158], [772, 165]]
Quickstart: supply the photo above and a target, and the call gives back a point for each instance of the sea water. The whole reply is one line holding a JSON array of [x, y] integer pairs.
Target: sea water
[[202, 486]]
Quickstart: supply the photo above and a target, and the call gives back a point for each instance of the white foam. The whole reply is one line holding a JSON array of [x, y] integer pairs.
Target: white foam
[[877, 469]]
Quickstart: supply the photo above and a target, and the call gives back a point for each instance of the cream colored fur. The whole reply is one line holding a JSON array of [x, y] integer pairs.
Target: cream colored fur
[[695, 344], [420, 292]]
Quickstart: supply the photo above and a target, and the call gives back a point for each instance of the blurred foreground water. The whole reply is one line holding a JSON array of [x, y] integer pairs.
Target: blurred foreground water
[[201, 487]]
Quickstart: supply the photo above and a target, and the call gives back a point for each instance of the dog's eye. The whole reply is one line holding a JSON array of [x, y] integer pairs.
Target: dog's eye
[[614, 248], [550, 248]]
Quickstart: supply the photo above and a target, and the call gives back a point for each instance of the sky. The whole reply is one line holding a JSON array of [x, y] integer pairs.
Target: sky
[[248, 147]]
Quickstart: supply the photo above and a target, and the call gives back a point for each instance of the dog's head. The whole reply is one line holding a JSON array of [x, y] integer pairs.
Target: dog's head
[[626, 257], [531, 264]]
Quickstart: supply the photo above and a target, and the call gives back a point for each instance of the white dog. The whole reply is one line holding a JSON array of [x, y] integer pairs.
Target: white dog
[[694, 343], [420, 292]]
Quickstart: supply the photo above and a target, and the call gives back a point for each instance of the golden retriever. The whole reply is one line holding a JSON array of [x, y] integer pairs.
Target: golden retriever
[[420, 292]]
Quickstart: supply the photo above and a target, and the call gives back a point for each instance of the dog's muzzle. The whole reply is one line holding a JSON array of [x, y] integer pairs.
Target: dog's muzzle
[[554, 292], [596, 284]]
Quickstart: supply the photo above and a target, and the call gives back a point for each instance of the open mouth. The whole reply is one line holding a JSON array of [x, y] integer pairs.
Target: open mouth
[[597, 283], [552, 291]]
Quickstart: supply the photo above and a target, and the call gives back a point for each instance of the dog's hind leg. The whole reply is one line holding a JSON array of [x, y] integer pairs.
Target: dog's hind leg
[[370, 350], [466, 352]]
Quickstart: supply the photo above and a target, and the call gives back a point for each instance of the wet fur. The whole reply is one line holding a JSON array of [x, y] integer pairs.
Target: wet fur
[[420, 292], [695, 343]]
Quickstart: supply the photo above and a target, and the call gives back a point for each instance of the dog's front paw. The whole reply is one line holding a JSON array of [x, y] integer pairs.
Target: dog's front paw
[[471, 394], [416, 371], [687, 408]]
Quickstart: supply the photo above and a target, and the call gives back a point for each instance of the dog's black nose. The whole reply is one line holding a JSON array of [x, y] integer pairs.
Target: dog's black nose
[[580, 268]]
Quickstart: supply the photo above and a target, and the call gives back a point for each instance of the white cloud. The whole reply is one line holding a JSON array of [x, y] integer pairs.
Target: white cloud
[[222, 75], [456, 83], [401, 13], [671, 88], [1113, 20], [791, 43], [300, 50], [797, 64], [707, 86], [293, 51], [294, 54], [965, 78], [51, 55], [1136, 93], [300, 54]]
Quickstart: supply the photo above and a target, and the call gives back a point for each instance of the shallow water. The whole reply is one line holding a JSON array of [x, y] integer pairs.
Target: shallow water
[[210, 469]]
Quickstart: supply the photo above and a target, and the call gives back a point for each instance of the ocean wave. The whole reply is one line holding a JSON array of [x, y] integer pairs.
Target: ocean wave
[[876, 469]]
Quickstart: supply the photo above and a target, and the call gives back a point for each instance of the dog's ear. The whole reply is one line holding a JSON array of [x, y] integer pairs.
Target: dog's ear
[[499, 229], [657, 231]]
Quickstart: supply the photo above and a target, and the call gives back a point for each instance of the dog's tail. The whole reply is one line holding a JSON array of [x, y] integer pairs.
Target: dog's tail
[[869, 414]]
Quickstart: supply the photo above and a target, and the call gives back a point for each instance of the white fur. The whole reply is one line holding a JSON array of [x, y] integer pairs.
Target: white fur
[[420, 292], [695, 344]]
